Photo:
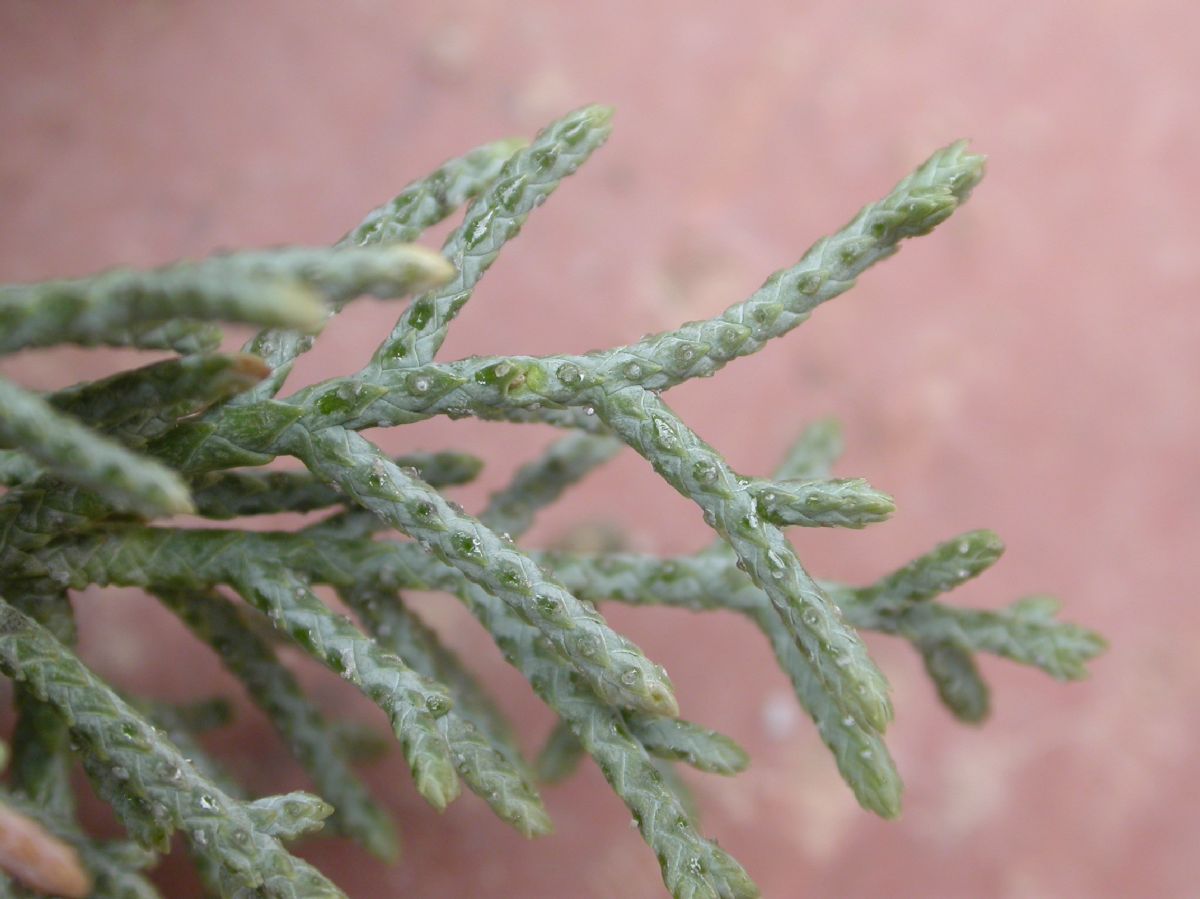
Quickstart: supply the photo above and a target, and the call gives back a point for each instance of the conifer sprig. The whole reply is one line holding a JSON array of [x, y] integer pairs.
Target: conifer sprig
[[137, 405], [527, 178], [696, 470], [411, 702], [281, 288], [233, 494], [80, 467], [303, 728], [153, 773], [83, 457], [41, 762], [421, 205], [395, 626], [612, 665]]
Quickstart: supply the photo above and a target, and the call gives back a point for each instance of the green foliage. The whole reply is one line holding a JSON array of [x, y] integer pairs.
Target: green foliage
[[86, 467]]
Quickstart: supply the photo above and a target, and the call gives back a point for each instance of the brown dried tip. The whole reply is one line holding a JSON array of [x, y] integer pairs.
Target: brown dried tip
[[40, 860], [253, 367]]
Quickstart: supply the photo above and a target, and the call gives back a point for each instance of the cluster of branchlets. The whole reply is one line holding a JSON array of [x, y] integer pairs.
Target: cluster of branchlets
[[83, 469]]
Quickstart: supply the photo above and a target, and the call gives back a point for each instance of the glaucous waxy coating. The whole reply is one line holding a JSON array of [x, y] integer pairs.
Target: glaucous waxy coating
[[81, 465]]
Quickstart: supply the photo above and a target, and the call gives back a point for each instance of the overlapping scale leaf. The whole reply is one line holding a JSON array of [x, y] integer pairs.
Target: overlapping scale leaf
[[682, 741], [842, 503], [560, 754]]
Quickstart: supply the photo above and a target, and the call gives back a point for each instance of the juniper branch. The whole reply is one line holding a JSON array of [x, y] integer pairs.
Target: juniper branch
[[231, 494], [99, 310], [41, 762], [512, 509], [541, 482], [941, 569], [698, 472], [518, 387], [274, 689], [218, 826], [560, 755], [608, 739], [612, 664], [812, 454], [402, 631], [702, 873], [948, 662], [1026, 633], [842, 503], [204, 559], [691, 865], [410, 701], [613, 702], [81, 456], [495, 217], [945, 637], [698, 583], [428, 200], [481, 741], [145, 402], [706, 582]]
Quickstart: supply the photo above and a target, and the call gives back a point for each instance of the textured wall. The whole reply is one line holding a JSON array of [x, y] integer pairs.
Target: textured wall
[[1030, 367]]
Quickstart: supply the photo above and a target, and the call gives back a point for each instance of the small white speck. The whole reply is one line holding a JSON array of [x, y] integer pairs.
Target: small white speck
[[780, 716]]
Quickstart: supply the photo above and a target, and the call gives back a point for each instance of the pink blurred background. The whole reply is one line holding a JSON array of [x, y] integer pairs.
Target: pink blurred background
[[1030, 367]]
